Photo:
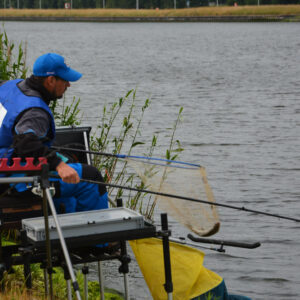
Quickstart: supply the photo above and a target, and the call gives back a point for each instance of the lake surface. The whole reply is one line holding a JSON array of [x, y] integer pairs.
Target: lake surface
[[239, 84]]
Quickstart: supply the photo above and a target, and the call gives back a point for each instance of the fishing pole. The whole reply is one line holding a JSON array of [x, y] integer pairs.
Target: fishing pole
[[123, 155], [242, 208], [166, 194], [87, 151]]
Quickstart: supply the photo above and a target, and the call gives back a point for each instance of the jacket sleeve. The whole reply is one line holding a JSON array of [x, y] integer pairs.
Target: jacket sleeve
[[30, 134]]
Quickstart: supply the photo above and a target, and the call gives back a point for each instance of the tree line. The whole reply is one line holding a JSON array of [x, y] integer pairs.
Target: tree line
[[146, 4]]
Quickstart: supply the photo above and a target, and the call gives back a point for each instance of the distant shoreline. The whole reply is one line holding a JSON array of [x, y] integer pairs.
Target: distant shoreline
[[154, 19], [262, 13]]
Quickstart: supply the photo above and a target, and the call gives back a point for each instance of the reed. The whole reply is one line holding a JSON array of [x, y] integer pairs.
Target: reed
[[12, 61], [126, 115], [262, 10], [15, 287]]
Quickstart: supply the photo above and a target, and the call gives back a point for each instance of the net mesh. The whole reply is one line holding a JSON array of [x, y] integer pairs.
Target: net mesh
[[183, 180]]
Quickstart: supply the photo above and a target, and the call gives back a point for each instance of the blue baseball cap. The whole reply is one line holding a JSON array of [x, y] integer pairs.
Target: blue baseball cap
[[52, 64]]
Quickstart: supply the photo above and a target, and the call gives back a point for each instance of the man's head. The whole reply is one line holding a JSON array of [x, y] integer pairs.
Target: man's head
[[57, 75]]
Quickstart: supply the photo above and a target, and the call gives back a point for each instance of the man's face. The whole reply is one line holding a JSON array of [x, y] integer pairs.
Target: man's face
[[60, 87]]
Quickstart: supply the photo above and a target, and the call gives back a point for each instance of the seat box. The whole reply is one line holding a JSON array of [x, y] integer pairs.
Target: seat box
[[85, 223]]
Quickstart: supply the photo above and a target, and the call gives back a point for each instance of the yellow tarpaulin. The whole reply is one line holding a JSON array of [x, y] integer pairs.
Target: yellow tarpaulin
[[190, 278]]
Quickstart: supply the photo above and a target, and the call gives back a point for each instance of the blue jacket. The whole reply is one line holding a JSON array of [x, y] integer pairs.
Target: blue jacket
[[14, 102]]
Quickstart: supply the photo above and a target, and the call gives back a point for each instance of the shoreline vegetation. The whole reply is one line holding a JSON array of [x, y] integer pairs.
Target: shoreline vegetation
[[289, 13]]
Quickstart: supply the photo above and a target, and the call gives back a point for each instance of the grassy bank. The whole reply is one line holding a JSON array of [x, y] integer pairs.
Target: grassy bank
[[263, 10]]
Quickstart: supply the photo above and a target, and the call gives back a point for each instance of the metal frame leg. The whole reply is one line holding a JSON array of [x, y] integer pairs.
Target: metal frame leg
[[167, 260], [69, 289], [125, 259], [46, 192], [101, 280], [46, 282], [85, 271], [27, 274], [48, 268], [126, 286], [26, 253], [2, 271], [68, 281], [63, 243]]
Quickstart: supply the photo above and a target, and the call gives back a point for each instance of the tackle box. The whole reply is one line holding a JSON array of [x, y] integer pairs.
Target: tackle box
[[85, 223]]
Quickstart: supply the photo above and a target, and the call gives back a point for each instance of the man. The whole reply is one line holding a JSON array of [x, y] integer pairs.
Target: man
[[27, 129]]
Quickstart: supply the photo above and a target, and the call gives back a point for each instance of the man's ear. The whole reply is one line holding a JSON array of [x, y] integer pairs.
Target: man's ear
[[49, 83]]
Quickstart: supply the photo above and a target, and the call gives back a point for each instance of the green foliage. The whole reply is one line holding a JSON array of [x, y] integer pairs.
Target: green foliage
[[15, 285], [119, 132], [11, 67], [175, 145], [128, 112], [124, 141], [66, 115]]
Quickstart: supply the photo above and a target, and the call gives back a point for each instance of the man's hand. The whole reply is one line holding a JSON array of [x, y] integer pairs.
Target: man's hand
[[67, 174]]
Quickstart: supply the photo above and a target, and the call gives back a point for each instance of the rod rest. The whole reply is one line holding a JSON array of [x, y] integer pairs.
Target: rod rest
[[224, 242], [20, 166]]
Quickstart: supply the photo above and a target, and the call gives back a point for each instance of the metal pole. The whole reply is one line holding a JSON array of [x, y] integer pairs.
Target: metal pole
[[167, 260], [126, 286], [137, 4], [40, 4], [68, 281], [124, 259], [18, 179], [101, 280], [63, 243], [46, 282], [85, 271], [103, 3], [86, 144], [69, 291], [48, 246], [174, 4]]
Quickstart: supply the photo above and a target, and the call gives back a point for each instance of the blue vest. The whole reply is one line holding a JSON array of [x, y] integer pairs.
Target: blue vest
[[12, 103]]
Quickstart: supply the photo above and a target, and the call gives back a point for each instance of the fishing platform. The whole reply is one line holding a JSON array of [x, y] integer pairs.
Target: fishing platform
[[66, 240]]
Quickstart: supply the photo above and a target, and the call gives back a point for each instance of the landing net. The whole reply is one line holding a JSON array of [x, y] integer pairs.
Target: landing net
[[182, 179]]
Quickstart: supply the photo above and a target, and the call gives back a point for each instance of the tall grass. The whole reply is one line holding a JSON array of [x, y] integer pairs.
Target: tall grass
[[127, 115], [120, 132], [12, 65], [15, 287], [262, 10]]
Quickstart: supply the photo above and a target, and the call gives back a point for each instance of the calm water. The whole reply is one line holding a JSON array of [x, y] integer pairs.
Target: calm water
[[239, 85]]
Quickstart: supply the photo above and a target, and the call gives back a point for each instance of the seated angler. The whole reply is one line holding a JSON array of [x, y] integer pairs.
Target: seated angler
[[27, 129]]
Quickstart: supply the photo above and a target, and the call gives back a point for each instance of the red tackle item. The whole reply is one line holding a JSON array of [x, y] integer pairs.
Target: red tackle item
[[21, 167]]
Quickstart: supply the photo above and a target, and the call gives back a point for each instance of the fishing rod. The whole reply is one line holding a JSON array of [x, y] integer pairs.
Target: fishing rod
[[242, 208], [122, 155], [166, 194], [87, 151]]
